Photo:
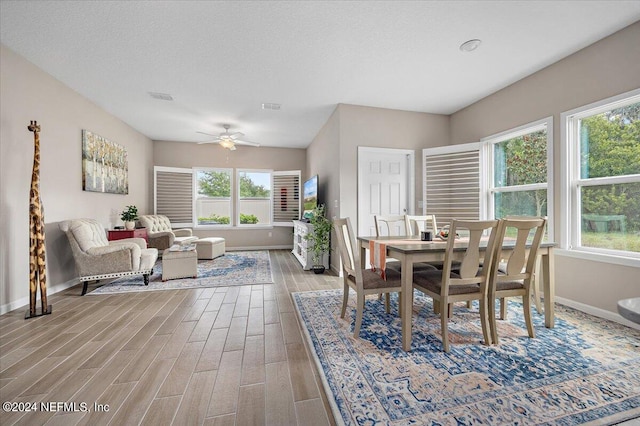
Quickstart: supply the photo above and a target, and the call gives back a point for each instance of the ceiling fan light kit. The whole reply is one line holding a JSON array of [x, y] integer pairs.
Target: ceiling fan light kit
[[229, 140]]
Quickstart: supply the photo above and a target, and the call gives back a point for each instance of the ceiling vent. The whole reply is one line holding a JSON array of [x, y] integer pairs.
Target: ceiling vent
[[161, 96], [271, 106]]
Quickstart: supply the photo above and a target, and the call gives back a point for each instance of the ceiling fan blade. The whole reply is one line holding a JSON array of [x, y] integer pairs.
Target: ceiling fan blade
[[248, 143], [236, 135], [208, 134]]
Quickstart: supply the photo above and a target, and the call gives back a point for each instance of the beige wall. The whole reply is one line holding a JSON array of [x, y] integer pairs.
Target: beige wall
[[334, 152], [323, 159], [604, 69], [187, 155], [28, 93]]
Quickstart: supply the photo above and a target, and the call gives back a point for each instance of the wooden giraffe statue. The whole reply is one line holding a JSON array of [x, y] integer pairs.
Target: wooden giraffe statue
[[37, 265]]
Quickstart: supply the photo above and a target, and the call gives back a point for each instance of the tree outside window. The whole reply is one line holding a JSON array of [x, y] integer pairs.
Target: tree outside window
[[609, 183]]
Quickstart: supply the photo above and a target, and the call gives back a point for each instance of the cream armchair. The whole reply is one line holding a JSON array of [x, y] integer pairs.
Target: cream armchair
[[159, 232], [97, 259]]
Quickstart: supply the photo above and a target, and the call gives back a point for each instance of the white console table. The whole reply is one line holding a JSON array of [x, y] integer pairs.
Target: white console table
[[302, 248]]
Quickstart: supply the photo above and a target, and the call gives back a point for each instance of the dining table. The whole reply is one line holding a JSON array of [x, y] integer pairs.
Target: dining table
[[410, 250]]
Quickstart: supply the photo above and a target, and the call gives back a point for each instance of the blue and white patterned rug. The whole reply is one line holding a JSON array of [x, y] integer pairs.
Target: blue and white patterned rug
[[584, 370], [234, 268]]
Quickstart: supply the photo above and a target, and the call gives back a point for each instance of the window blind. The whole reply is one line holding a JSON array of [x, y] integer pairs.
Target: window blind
[[452, 184], [174, 195], [286, 197]]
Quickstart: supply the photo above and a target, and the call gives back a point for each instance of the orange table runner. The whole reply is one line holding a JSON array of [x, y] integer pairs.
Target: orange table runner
[[378, 254]]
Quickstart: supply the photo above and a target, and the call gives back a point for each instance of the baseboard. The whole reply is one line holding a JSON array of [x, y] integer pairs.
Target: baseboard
[[284, 247], [597, 312], [24, 302]]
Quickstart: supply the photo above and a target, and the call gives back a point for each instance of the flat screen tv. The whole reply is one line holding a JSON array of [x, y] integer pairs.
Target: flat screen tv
[[310, 196]]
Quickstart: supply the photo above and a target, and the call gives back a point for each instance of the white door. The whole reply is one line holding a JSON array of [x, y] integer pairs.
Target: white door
[[385, 185]]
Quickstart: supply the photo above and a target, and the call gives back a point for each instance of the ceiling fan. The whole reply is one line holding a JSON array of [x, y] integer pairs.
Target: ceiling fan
[[228, 140]]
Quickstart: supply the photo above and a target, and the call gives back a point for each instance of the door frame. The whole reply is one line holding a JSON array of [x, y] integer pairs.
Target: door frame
[[411, 176]]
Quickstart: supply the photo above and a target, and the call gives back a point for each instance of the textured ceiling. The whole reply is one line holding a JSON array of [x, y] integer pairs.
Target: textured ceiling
[[221, 60]]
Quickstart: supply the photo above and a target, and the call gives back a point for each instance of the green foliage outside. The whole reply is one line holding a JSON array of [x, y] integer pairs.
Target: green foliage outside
[[224, 220], [248, 219], [610, 146], [218, 184]]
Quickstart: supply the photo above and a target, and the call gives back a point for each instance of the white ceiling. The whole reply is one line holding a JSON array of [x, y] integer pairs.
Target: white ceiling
[[221, 60]]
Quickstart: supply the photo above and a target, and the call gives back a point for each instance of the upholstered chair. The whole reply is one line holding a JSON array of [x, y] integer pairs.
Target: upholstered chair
[[362, 281], [98, 259], [159, 232], [471, 282]]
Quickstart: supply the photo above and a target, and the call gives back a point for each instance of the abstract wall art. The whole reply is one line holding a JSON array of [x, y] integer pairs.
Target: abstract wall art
[[104, 165]]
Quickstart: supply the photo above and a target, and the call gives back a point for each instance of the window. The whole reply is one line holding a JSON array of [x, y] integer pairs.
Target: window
[[207, 197], [213, 198], [173, 195], [286, 197], [519, 167], [254, 197], [602, 197], [452, 182]]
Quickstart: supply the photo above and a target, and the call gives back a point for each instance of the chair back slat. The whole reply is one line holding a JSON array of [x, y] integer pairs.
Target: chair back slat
[[470, 270], [393, 226], [417, 224], [521, 261], [349, 254]]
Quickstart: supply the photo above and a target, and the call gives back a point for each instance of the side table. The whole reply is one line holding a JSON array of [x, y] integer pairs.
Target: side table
[[119, 234]]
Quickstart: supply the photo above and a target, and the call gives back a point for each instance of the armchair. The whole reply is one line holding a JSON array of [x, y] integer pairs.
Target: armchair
[[97, 259], [159, 232]]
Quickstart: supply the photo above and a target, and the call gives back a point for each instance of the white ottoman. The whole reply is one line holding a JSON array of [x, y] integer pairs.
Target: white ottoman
[[179, 264], [210, 248]]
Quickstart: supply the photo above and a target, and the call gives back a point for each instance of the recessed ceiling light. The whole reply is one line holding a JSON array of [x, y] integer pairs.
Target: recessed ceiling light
[[471, 45], [161, 96], [271, 106]]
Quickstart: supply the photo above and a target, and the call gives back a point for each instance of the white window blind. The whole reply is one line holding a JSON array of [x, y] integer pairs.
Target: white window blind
[[173, 195], [286, 197], [452, 183]]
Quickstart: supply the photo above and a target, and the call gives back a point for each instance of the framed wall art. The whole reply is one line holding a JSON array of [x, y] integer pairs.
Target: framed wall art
[[104, 165]]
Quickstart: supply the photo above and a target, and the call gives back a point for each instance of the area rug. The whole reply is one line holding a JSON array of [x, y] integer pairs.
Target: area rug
[[585, 370], [234, 268]]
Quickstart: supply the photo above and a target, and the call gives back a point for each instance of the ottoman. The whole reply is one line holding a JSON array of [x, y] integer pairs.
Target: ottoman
[[179, 264], [210, 248]]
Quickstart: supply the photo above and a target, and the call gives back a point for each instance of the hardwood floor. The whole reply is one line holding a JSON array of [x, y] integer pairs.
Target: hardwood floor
[[214, 356]]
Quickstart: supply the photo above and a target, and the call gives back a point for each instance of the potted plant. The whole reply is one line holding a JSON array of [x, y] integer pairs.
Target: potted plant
[[129, 216], [319, 237]]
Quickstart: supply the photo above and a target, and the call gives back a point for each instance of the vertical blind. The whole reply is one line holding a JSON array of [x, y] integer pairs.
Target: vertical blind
[[286, 197], [452, 185], [174, 195]]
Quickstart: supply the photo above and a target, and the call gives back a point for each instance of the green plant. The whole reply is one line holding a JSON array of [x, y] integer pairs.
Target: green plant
[[248, 218], [321, 234], [129, 214], [214, 218]]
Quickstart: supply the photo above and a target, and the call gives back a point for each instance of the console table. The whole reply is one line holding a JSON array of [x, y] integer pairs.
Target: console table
[[302, 248], [119, 234]]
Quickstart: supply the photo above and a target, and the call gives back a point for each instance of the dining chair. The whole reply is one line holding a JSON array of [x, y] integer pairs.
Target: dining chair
[[362, 281], [471, 282], [513, 271], [417, 224]]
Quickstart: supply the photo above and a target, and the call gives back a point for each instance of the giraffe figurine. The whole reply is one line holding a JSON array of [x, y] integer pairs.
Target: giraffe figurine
[[37, 264]]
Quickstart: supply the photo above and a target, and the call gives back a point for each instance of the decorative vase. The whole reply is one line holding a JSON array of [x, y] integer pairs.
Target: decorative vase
[[318, 269], [130, 225]]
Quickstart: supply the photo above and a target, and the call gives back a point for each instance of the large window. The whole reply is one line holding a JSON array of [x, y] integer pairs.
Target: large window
[[213, 201], [602, 151], [254, 200], [212, 197], [520, 166]]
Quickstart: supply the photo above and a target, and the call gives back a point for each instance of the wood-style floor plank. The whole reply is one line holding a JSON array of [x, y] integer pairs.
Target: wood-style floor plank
[[220, 356]]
